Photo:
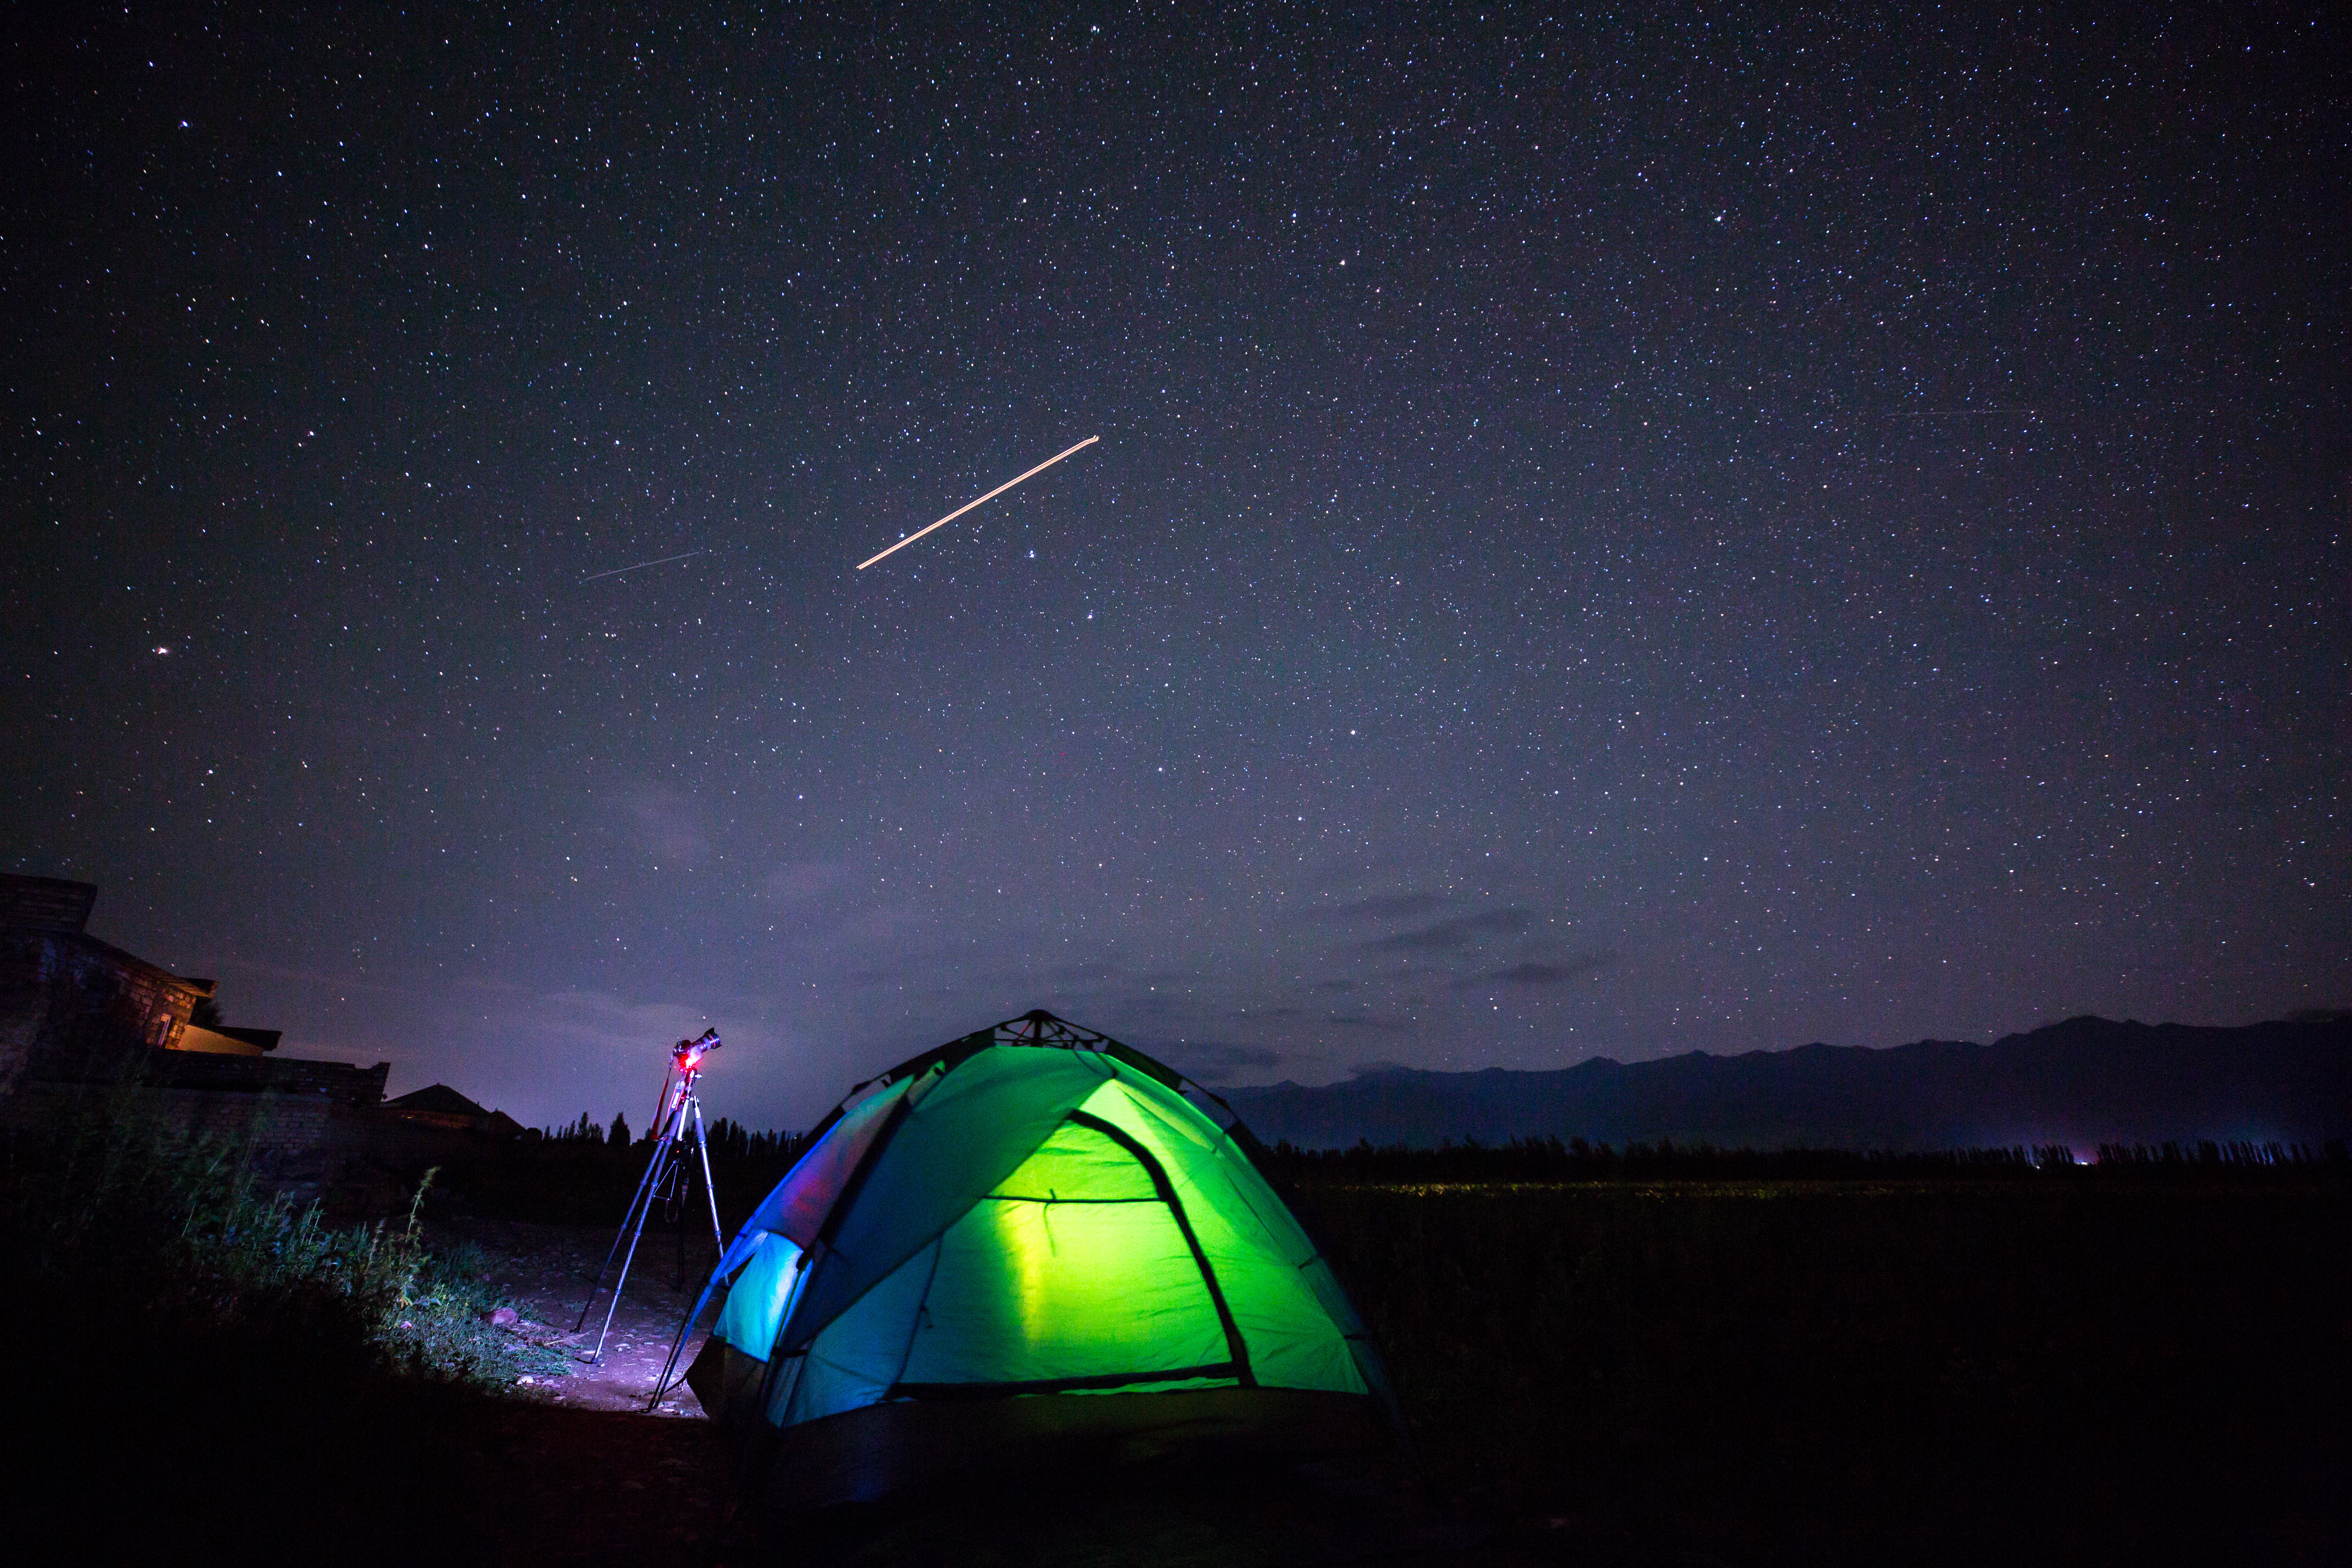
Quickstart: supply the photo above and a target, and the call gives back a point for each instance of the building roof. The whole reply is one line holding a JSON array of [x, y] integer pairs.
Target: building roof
[[439, 1100], [46, 903], [129, 962]]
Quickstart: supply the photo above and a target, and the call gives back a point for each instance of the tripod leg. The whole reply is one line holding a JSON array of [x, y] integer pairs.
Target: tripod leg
[[643, 1194], [686, 1324], [710, 1189], [686, 1180], [656, 1169], [661, 1153]]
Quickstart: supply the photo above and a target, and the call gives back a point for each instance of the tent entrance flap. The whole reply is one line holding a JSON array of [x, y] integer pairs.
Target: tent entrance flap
[[1076, 1271], [1167, 1190]]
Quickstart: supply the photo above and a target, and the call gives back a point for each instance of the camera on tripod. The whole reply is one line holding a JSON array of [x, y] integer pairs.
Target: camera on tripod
[[680, 1147], [687, 1055]]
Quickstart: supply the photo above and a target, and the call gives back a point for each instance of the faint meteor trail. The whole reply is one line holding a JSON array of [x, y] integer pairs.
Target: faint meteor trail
[[970, 504], [643, 565]]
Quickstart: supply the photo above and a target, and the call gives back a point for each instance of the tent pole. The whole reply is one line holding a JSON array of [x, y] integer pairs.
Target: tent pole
[[677, 1346]]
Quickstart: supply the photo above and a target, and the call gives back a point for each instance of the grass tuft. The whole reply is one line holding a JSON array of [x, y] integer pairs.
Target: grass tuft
[[182, 1228]]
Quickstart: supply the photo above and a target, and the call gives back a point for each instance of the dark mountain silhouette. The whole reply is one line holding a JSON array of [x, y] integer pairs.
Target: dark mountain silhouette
[[2083, 1082]]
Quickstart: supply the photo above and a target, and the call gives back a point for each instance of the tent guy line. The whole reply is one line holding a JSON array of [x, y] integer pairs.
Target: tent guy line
[[988, 497]]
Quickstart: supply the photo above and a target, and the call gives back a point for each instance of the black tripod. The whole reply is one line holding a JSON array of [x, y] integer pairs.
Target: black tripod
[[668, 1177]]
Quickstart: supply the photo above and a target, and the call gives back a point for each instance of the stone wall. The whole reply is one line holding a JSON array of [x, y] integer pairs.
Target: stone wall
[[301, 1144], [293, 1123], [360, 1088]]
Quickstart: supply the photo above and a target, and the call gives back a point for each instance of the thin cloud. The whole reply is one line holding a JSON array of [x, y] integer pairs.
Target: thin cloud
[[1447, 936], [799, 882], [667, 823], [1088, 971], [1214, 1061], [1367, 1022], [1385, 907], [1558, 972]]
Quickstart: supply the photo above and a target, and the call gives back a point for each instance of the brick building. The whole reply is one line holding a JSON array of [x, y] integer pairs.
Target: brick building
[[70, 1003], [87, 1026], [74, 1010]]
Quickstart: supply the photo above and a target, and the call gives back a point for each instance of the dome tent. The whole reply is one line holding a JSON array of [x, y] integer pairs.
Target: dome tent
[[1027, 1240]]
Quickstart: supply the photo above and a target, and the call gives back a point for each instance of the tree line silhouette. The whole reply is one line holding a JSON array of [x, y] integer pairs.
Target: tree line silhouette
[[1548, 1158]]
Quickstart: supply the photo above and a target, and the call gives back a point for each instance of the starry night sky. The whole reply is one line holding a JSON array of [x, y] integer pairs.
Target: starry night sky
[[1612, 534]]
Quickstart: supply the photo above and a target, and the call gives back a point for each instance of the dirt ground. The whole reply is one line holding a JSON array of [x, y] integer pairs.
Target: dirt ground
[[591, 1474], [549, 1270]]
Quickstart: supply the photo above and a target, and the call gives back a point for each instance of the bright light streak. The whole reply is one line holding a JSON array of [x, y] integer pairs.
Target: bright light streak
[[988, 497]]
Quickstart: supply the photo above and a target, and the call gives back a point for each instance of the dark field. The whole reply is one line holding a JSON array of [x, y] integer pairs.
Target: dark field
[[2099, 1365], [2114, 1365]]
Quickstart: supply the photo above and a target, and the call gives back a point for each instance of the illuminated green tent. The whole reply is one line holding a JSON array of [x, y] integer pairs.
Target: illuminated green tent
[[1027, 1240]]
